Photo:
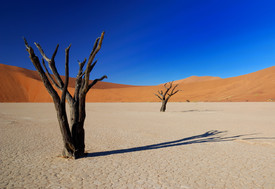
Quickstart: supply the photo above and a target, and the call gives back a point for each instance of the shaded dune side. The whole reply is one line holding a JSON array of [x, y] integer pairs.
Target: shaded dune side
[[22, 85]]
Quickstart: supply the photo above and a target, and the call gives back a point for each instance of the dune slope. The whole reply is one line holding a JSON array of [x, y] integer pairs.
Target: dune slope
[[22, 85]]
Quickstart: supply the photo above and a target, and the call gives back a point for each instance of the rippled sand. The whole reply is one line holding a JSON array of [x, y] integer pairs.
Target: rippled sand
[[133, 145]]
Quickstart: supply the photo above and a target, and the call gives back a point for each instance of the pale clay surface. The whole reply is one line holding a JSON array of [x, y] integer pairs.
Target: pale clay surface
[[132, 145]]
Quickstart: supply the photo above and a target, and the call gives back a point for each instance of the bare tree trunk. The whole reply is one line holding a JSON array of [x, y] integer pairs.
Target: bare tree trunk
[[79, 139], [78, 131], [163, 106], [68, 150]]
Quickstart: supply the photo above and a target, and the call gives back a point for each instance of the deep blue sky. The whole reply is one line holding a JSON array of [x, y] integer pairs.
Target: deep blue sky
[[147, 42]]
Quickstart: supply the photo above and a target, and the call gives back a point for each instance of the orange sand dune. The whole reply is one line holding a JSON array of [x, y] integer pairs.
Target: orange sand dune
[[22, 85], [193, 79], [258, 86]]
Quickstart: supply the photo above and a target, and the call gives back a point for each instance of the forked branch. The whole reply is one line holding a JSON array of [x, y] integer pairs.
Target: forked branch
[[95, 81], [51, 62], [158, 96], [78, 80], [37, 65], [174, 91], [50, 76], [170, 90], [96, 48]]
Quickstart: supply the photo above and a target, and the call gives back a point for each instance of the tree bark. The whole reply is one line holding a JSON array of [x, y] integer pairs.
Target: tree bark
[[78, 133], [73, 133], [163, 106], [69, 149]]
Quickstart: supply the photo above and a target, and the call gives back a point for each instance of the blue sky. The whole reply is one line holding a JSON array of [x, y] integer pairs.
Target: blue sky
[[147, 42]]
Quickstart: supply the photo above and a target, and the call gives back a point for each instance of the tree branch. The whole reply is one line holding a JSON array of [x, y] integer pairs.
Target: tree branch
[[49, 75], [55, 51], [161, 93], [95, 81], [167, 88], [43, 76], [78, 80], [92, 67], [42, 52], [166, 95], [81, 65], [80, 71], [51, 62], [95, 50], [158, 96], [173, 89], [174, 93], [65, 87]]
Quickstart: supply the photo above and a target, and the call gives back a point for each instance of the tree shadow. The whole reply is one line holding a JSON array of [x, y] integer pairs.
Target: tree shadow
[[259, 138], [193, 110], [209, 136]]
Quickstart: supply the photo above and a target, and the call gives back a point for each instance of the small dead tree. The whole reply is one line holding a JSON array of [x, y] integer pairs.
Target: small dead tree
[[73, 133], [170, 90]]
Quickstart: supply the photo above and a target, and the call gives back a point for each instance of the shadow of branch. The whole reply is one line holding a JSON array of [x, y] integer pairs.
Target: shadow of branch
[[209, 136]]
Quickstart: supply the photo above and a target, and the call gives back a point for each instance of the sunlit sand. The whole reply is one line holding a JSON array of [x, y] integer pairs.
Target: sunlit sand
[[133, 145]]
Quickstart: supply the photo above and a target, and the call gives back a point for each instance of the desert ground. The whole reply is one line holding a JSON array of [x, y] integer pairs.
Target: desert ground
[[133, 145]]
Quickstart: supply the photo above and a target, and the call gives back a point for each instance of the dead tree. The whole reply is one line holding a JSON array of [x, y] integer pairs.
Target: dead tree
[[170, 90], [72, 131]]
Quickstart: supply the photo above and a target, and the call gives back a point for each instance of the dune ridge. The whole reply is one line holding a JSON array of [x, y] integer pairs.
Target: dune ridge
[[193, 79], [23, 85]]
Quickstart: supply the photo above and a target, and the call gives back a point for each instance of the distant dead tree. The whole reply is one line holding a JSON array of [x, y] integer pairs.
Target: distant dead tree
[[73, 133], [165, 95]]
